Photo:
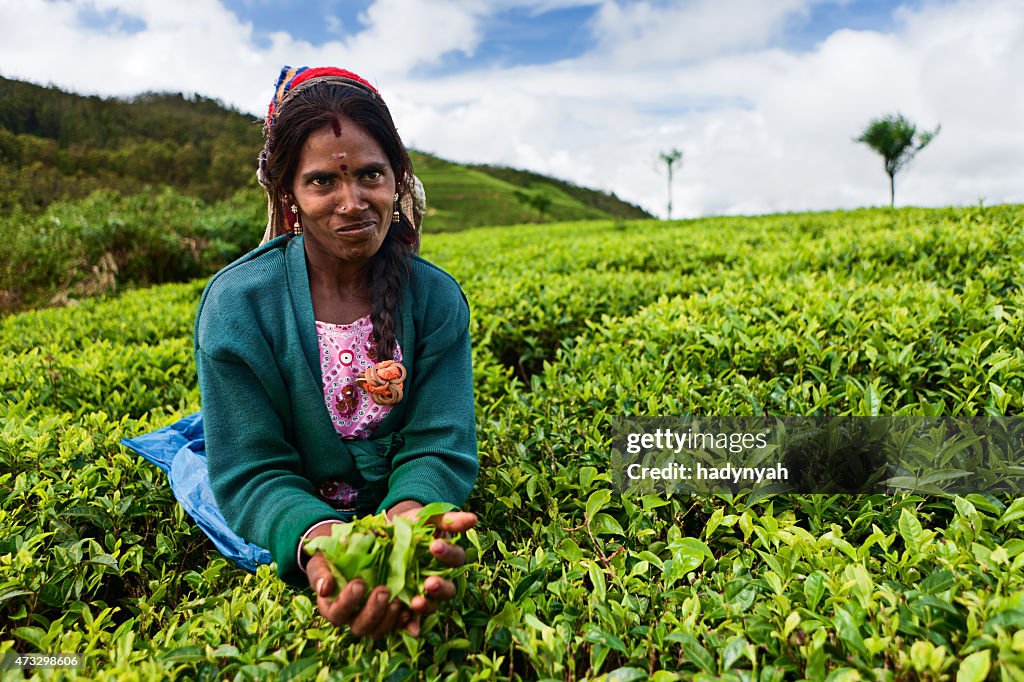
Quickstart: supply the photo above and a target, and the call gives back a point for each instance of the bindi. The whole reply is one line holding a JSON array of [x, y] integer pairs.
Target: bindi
[[340, 156]]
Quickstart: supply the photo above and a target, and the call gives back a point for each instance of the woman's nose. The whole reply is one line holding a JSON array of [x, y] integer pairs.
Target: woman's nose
[[348, 198]]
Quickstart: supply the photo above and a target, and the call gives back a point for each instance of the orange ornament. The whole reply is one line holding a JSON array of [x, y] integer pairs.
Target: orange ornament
[[384, 382]]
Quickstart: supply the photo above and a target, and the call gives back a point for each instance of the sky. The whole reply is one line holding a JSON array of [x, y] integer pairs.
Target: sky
[[763, 98]]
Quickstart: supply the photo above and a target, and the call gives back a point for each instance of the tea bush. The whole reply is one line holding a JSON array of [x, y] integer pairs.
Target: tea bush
[[107, 243], [846, 313]]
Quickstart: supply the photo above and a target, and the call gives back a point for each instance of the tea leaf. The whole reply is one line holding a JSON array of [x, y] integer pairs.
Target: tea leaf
[[975, 667], [910, 530]]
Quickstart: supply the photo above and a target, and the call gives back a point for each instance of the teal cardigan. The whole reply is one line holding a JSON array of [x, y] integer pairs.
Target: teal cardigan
[[269, 436]]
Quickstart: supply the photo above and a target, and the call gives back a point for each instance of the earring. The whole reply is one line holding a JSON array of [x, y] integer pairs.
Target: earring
[[396, 216], [296, 228]]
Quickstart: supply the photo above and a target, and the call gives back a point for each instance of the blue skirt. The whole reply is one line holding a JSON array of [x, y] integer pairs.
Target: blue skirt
[[180, 450]]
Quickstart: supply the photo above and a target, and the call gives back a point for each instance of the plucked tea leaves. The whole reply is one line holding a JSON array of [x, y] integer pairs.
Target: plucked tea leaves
[[394, 553]]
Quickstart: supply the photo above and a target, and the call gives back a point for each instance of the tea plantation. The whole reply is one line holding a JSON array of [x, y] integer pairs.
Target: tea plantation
[[915, 312]]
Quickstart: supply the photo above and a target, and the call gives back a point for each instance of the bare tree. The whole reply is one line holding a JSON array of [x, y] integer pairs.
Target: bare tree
[[670, 158], [897, 140]]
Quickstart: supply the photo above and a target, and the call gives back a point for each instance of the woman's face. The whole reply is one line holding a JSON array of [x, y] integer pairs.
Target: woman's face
[[345, 189]]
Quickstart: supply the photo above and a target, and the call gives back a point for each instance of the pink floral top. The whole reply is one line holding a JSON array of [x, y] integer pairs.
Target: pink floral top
[[346, 350]]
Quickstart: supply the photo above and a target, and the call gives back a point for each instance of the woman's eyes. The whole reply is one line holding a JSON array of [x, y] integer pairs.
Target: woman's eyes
[[320, 180], [371, 176]]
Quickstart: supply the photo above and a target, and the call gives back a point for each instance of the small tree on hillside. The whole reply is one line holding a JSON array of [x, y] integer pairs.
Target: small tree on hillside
[[897, 140], [538, 199], [670, 158]]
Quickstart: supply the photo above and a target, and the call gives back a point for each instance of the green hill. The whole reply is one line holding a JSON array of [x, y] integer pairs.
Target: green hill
[[58, 145], [463, 196], [608, 203]]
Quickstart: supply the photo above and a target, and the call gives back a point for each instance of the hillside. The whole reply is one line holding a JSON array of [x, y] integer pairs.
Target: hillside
[[55, 145], [608, 203], [568, 577]]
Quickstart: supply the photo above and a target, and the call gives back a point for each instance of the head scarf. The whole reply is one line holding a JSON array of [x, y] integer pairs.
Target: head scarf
[[293, 80]]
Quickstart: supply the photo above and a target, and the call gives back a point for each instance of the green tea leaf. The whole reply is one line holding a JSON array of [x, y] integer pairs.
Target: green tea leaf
[[597, 501], [399, 561], [696, 652], [626, 675], [910, 530], [733, 651], [814, 588], [593, 633], [434, 509], [975, 667], [688, 554]]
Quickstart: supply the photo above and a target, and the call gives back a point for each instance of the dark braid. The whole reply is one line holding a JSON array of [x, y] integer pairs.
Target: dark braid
[[387, 275]]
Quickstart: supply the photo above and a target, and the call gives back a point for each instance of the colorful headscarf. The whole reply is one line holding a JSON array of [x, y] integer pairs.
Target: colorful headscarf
[[295, 79]]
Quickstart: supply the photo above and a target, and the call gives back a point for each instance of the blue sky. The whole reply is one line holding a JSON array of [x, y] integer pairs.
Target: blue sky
[[514, 35], [109, 19], [764, 97], [521, 35]]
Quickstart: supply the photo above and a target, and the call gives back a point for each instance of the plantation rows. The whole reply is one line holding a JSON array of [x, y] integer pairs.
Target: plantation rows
[[864, 312]]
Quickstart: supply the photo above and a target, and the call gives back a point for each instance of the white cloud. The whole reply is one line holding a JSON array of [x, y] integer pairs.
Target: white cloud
[[175, 51], [639, 34], [543, 5], [334, 24], [401, 34], [762, 128]]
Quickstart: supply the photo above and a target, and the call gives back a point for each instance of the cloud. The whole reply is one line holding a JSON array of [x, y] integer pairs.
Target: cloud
[[200, 46], [763, 127], [172, 52], [334, 24], [401, 34], [646, 33]]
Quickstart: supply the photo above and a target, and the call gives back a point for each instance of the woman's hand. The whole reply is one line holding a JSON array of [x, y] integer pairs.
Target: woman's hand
[[435, 587], [377, 617], [380, 614]]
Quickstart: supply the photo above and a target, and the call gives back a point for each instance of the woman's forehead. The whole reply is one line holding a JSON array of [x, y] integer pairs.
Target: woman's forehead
[[342, 137]]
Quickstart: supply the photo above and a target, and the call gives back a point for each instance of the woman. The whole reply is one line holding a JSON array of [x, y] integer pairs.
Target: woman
[[334, 364]]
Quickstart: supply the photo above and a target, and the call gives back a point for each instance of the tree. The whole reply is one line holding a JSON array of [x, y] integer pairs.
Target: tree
[[537, 199], [897, 140], [670, 158]]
